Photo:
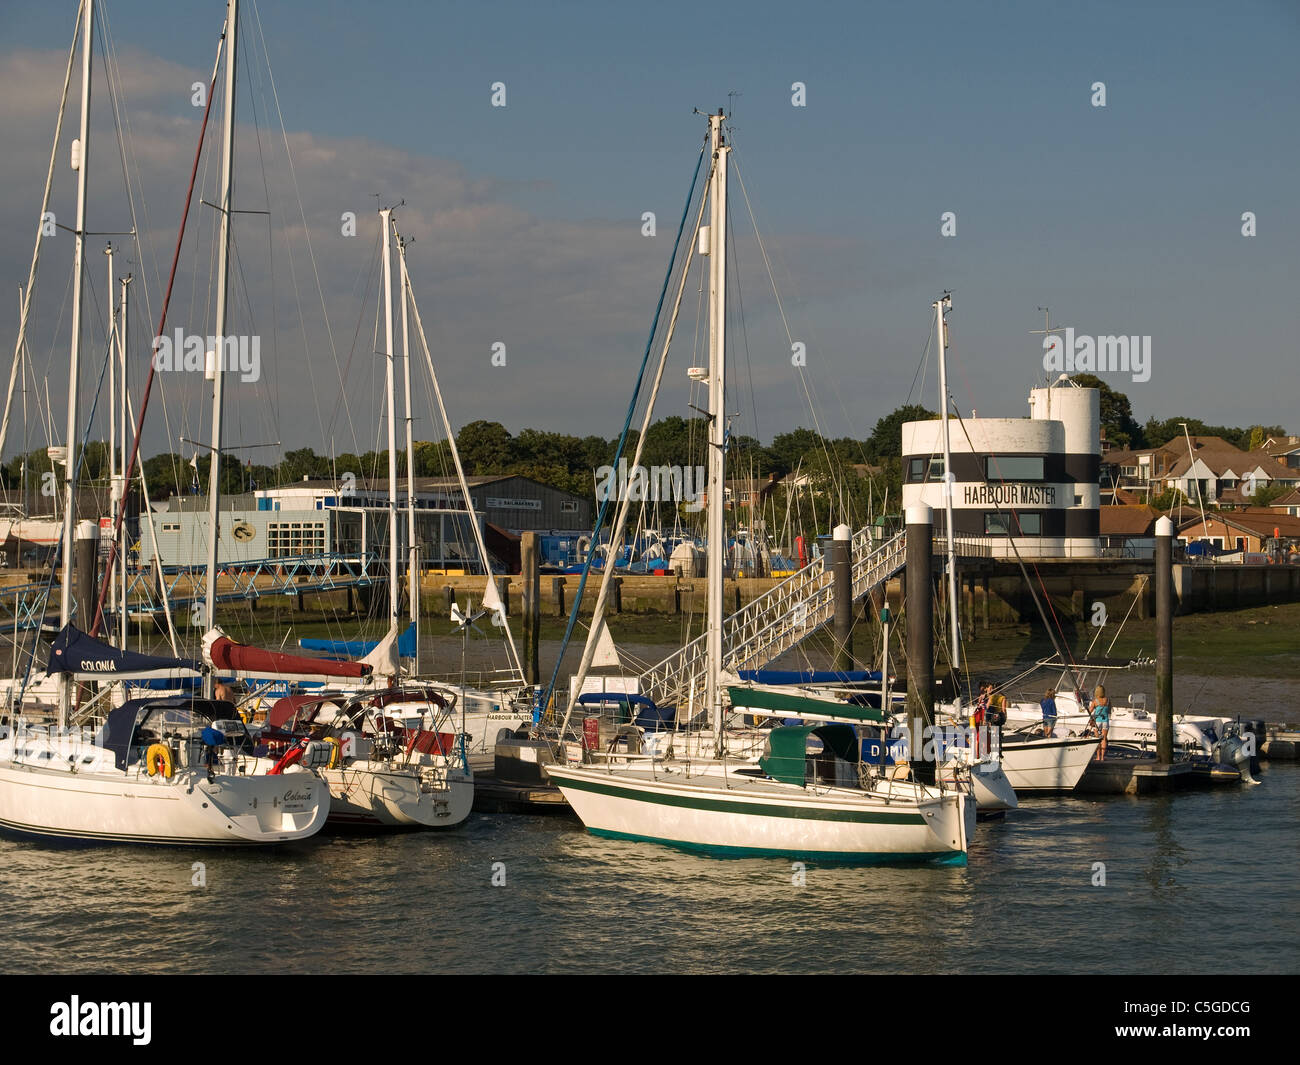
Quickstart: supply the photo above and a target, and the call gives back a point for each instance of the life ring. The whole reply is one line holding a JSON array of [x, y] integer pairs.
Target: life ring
[[159, 760], [336, 751], [292, 755]]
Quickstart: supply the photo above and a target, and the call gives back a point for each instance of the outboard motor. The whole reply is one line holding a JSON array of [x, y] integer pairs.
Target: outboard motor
[[1230, 750]]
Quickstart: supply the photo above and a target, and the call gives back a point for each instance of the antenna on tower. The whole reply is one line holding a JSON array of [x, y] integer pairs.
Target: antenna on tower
[[1048, 329]]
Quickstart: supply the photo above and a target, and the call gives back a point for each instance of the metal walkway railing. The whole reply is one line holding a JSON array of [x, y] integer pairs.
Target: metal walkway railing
[[774, 622]]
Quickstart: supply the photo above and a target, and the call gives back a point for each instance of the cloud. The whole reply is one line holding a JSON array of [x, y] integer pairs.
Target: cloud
[[570, 299]]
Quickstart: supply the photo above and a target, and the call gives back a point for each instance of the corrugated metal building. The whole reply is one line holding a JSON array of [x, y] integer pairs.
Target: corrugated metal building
[[349, 518]]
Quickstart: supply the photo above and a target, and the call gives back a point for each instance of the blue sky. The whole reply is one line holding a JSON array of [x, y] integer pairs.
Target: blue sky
[[1123, 219]]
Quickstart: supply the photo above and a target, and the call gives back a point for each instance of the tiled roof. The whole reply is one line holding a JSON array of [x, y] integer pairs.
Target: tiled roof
[[1128, 520]]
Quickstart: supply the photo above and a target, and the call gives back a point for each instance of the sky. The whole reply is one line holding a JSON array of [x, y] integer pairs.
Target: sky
[[527, 219]]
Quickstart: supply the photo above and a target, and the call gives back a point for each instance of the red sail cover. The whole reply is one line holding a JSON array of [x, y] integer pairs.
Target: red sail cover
[[226, 654]]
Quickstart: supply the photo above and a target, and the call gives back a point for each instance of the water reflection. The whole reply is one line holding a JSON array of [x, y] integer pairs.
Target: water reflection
[[1167, 855], [569, 902]]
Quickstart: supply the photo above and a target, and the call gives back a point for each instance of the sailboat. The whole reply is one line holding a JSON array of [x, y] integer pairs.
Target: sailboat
[[809, 796], [159, 771], [396, 759], [386, 770], [483, 711]]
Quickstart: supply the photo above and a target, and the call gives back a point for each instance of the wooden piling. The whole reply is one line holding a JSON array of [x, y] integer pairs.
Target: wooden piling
[[920, 634], [532, 605], [1164, 580], [842, 592]]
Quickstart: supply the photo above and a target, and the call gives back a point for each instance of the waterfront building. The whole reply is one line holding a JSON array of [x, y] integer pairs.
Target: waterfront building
[[1032, 482]]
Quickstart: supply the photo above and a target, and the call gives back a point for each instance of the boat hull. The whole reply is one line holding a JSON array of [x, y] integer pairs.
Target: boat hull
[[386, 798], [768, 819], [993, 789], [188, 810], [1046, 765]]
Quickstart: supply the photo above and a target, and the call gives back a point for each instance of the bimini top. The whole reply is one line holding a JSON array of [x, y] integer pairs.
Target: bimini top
[[83, 656], [159, 715], [785, 756]]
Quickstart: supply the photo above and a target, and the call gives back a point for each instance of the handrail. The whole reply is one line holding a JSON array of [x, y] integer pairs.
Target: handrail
[[776, 621]]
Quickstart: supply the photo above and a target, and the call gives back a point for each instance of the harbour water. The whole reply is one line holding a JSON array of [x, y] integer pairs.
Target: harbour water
[[1195, 883]]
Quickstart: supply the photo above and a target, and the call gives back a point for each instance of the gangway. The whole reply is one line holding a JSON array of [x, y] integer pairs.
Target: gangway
[[23, 607], [782, 618]]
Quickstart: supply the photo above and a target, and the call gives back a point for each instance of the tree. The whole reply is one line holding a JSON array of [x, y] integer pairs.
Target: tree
[[301, 464], [789, 449], [1266, 494], [887, 437], [1170, 498], [485, 448]]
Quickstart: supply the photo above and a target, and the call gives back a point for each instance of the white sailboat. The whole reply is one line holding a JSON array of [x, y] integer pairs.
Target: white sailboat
[[505, 703], [386, 770], [827, 807], [177, 771]]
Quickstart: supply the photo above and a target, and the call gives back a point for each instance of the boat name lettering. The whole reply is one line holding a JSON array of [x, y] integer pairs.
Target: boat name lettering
[[294, 795]]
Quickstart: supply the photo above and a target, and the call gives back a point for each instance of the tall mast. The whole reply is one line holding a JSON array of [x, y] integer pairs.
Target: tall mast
[[80, 158], [219, 354], [717, 418], [941, 308], [113, 481], [389, 389], [412, 545], [126, 450]]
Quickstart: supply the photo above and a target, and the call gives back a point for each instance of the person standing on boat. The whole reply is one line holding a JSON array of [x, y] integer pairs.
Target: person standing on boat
[[1049, 712], [980, 713], [1100, 716]]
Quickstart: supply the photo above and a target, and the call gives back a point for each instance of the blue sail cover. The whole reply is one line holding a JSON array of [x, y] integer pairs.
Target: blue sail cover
[[84, 656], [360, 648]]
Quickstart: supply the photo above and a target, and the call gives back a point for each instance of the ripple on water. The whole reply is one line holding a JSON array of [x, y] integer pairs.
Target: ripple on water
[[1200, 882]]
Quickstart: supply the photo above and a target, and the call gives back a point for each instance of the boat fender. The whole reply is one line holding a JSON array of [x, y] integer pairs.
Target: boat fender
[[159, 760], [336, 751]]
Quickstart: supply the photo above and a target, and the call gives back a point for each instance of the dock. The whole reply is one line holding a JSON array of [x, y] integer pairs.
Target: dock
[[506, 783], [1281, 745], [1130, 773]]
